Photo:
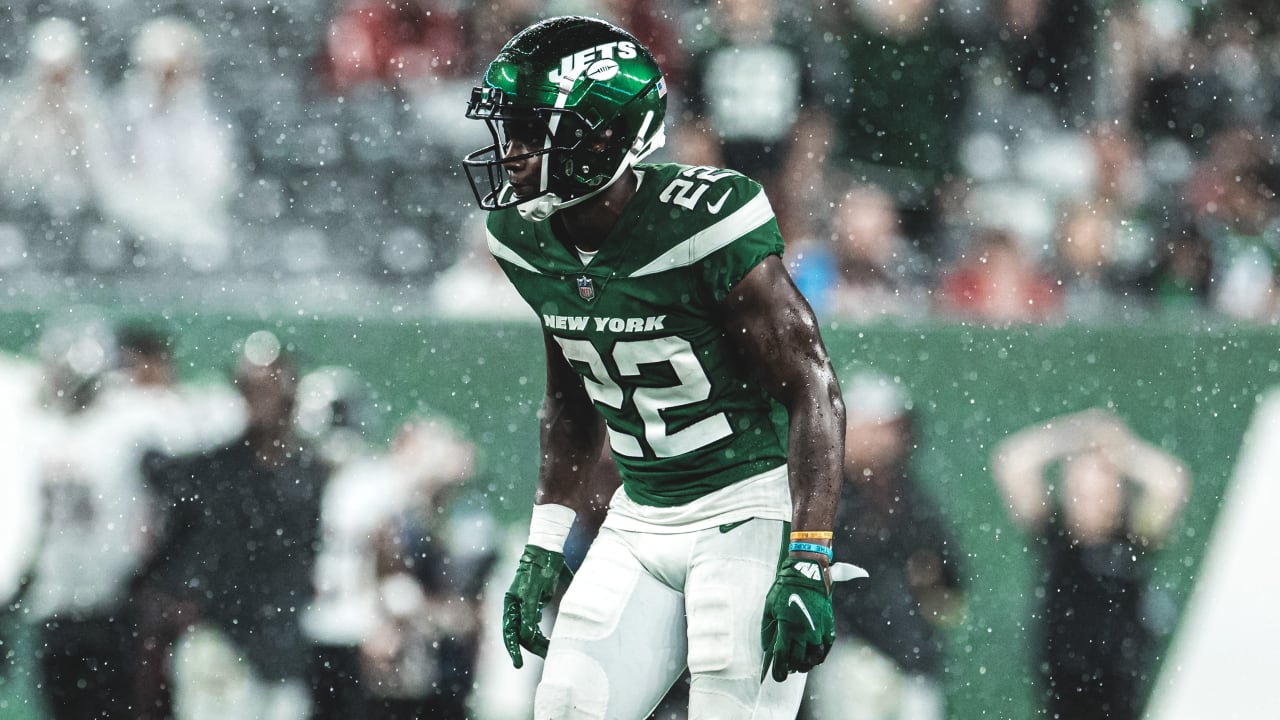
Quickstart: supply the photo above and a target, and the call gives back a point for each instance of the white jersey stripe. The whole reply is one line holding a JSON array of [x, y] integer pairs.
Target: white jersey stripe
[[750, 216], [505, 253]]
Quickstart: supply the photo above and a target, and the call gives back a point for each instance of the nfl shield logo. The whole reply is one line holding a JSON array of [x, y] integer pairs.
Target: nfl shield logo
[[586, 288]]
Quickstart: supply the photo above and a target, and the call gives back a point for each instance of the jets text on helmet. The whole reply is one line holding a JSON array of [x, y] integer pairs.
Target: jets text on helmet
[[573, 65]]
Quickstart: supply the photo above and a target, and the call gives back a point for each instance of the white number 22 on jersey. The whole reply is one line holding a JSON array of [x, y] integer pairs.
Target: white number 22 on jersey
[[650, 402], [688, 189]]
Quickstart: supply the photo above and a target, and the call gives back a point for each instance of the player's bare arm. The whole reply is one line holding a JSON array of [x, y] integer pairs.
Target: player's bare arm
[[776, 334], [775, 330], [572, 435]]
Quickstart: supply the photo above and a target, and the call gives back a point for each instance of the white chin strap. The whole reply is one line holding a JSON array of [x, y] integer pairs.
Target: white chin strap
[[544, 206], [540, 208]]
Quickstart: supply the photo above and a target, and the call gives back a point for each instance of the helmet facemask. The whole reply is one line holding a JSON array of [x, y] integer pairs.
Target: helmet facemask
[[583, 97], [579, 158]]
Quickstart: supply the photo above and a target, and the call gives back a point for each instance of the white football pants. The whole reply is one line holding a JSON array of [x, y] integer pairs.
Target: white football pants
[[643, 606]]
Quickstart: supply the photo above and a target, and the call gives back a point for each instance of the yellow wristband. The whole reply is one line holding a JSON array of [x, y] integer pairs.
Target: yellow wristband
[[812, 535]]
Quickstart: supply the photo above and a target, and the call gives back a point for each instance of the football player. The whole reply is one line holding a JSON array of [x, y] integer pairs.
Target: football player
[[671, 326]]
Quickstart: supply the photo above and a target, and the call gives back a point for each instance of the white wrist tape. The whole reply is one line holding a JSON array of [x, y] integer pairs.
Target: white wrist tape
[[549, 526]]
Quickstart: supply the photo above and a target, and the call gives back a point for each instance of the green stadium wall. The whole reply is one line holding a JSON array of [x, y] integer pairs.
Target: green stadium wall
[[1189, 390]]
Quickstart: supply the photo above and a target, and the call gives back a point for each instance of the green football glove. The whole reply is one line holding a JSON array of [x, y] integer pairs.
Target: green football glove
[[537, 577], [798, 628]]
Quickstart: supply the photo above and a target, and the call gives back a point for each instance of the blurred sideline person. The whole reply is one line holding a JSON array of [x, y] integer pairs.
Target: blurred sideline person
[[1114, 501], [197, 415], [146, 357], [419, 660], [242, 525], [336, 413], [21, 505], [358, 496], [671, 326], [181, 168], [378, 628], [94, 430], [888, 661], [93, 537]]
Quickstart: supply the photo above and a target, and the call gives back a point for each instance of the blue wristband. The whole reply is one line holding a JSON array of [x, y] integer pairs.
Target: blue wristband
[[811, 548]]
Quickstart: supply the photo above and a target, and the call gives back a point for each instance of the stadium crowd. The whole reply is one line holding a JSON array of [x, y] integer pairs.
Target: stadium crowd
[[992, 161], [985, 161]]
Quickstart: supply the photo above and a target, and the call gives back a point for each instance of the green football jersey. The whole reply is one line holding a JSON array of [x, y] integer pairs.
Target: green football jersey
[[641, 325]]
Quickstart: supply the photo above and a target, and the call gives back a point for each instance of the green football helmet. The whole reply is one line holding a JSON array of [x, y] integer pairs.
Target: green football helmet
[[586, 94]]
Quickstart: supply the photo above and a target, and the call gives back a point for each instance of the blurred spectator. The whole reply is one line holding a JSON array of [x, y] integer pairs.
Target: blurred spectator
[[484, 27], [491, 23], [653, 22], [336, 414], [473, 287], [57, 162], [887, 663], [182, 167], [1240, 40], [1233, 194], [995, 282], [1214, 188], [1049, 49], [1181, 270], [390, 42], [1156, 74], [893, 74], [401, 69], [869, 271], [242, 526], [146, 358], [1114, 501], [419, 658], [1085, 244], [1247, 243], [747, 89], [1119, 179]]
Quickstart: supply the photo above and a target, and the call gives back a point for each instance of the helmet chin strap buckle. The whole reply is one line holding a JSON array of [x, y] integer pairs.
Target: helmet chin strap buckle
[[540, 208]]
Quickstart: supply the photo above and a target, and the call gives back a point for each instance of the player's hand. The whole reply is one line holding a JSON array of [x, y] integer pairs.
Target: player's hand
[[537, 577], [798, 628]]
